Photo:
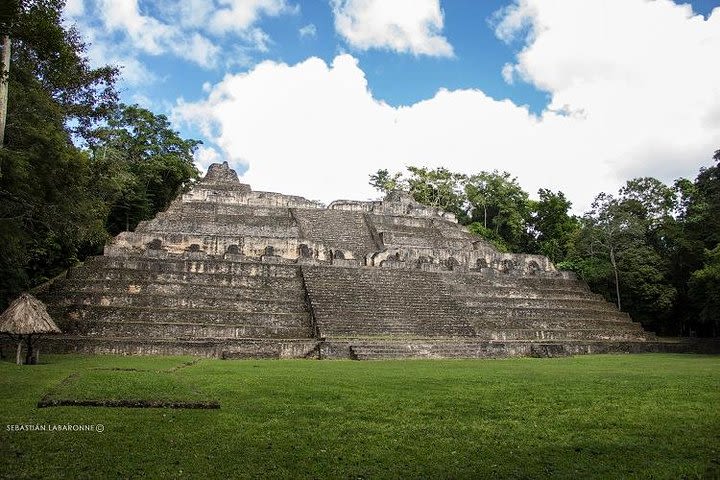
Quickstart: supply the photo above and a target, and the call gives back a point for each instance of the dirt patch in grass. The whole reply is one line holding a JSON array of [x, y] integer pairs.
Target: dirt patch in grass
[[45, 402]]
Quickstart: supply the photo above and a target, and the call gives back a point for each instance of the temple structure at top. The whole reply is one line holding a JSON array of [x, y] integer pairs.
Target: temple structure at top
[[230, 272]]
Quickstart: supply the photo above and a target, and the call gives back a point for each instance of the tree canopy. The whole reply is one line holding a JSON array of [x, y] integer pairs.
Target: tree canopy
[[75, 166]]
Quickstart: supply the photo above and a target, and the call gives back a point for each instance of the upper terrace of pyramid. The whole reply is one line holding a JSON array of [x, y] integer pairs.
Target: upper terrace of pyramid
[[221, 217]]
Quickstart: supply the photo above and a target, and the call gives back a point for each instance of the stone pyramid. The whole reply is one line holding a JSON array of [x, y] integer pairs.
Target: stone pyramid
[[230, 272]]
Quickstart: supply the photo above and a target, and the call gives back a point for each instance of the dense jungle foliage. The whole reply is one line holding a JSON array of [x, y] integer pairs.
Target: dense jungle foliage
[[76, 166]]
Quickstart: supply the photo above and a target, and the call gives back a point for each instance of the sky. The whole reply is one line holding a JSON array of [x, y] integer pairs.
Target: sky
[[311, 97]]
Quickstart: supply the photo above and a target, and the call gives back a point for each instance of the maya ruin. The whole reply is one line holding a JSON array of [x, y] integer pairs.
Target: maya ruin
[[233, 273]]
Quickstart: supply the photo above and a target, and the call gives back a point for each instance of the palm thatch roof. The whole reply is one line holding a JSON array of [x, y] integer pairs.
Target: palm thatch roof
[[27, 315]]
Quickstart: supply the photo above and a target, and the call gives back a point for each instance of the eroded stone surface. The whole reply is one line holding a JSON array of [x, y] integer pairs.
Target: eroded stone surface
[[230, 272]]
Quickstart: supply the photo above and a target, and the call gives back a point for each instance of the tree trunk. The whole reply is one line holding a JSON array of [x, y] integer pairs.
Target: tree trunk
[[4, 80], [29, 353], [617, 277], [18, 355]]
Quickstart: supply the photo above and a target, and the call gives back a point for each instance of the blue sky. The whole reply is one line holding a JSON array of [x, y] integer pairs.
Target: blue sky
[[309, 97]]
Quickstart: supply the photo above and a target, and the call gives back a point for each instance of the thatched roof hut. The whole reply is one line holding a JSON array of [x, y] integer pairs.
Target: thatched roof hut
[[27, 316]]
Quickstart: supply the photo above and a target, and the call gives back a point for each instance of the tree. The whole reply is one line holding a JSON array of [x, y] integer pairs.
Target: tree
[[704, 290], [498, 203], [4, 74], [385, 182], [46, 213], [693, 258], [609, 229], [140, 165], [552, 224], [74, 163], [703, 210], [491, 204], [623, 242], [438, 188], [54, 56]]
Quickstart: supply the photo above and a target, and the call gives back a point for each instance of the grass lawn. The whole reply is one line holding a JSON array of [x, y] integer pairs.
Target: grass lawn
[[606, 416]]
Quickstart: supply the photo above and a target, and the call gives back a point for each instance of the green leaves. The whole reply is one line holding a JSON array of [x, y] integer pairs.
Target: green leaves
[[140, 165], [493, 203], [44, 49], [57, 199], [704, 289]]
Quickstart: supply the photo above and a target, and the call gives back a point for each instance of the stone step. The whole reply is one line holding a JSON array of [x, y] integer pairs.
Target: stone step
[[437, 349], [226, 280], [72, 316], [221, 211], [246, 216], [424, 240], [281, 293], [532, 291], [410, 287], [338, 229], [549, 323], [218, 348], [554, 323], [363, 309], [614, 334], [194, 331], [470, 283], [152, 301], [209, 266], [471, 306], [216, 195], [332, 329], [183, 227], [540, 312], [507, 333], [479, 302], [479, 280]]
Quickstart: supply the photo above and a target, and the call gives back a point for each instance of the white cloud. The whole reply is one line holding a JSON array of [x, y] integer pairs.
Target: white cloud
[[508, 72], [122, 31], [154, 37], [640, 72], [315, 130], [74, 8], [633, 92], [412, 26], [308, 31], [142, 100], [103, 52], [190, 13], [240, 15]]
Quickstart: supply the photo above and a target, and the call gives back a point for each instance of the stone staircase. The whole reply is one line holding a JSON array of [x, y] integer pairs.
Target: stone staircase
[[388, 313], [233, 273], [347, 231], [137, 299]]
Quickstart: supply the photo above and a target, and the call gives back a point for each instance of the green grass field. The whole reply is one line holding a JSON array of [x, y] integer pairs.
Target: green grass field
[[625, 416]]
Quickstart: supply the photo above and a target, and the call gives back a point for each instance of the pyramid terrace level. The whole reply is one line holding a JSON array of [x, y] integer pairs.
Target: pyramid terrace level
[[234, 273]]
